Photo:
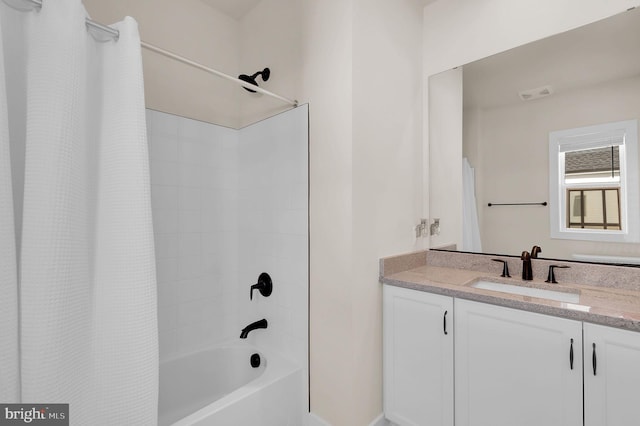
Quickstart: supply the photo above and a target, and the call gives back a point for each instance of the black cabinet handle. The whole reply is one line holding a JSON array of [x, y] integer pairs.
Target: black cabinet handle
[[593, 359], [571, 355], [444, 322]]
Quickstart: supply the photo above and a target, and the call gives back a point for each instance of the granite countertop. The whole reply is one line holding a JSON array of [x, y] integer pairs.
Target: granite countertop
[[600, 304]]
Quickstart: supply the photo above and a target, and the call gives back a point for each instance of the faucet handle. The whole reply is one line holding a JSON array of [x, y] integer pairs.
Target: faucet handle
[[505, 267], [551, 277], [264, 285]]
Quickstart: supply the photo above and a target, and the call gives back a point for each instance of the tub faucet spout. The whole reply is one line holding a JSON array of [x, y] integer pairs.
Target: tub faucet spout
[[253, 326]]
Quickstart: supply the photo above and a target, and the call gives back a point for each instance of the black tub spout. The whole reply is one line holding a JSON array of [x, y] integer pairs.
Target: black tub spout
[[253, 326]]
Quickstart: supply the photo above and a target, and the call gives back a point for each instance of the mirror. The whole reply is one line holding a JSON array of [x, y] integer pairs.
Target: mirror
[[499, 112]]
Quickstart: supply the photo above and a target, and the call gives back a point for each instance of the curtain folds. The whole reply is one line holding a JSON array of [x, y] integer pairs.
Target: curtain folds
[[9, 352], [87, 290], [470, 226]]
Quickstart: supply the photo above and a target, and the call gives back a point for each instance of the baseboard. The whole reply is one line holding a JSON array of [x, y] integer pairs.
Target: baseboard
[[315, 420]]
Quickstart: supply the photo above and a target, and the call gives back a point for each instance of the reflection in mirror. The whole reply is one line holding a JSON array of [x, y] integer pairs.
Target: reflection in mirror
[[509, 106], [591, 165], [593, 183]]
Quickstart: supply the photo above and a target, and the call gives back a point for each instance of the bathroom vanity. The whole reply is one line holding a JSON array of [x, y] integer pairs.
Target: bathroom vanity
[[463, 355]]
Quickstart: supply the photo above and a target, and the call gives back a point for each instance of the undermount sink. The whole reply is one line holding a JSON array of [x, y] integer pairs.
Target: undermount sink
[[528, 291]]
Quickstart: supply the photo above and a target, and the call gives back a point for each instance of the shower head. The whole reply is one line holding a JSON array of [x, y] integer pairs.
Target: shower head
[[251, 79]]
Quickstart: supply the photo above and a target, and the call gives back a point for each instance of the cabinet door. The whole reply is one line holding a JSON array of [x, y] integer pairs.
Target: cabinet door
[[418, 357], [516, 368], [611, 394]]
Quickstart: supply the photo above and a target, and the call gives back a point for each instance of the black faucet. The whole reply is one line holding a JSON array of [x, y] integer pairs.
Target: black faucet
[[253, 326], [527, 273], [551, 278], [505, 267], [534, 251]]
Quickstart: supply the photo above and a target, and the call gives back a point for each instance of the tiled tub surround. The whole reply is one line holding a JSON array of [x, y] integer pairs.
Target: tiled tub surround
[[193, 194], [227, 205], [273, 232], [609, 295]]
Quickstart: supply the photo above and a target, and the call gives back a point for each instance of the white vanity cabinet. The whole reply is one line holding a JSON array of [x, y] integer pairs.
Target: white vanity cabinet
[[512, 367], [418, 357], [611, 395], [515, 367]]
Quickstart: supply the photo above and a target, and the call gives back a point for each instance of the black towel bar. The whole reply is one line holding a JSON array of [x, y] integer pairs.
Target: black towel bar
[[544, 203]]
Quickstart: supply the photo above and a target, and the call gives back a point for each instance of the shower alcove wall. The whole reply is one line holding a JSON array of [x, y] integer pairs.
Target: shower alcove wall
[[227, 205]]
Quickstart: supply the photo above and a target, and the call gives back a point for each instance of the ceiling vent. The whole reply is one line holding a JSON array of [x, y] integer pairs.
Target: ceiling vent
[[538, 92]]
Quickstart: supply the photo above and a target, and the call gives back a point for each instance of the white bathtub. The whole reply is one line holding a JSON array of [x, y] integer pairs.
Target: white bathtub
[[218, 386]]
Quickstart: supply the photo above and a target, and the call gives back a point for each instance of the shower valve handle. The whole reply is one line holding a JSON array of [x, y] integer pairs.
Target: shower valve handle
[[264, 285]]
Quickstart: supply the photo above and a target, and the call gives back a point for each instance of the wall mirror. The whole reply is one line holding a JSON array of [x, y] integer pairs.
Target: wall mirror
[[498, 114]]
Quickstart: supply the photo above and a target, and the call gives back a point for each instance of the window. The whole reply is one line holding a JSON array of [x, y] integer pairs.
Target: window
[[594, 183], [594, 209]]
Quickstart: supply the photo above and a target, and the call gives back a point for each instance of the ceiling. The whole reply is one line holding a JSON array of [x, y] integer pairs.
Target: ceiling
[[233, 8], [602, 51], [237, 9]]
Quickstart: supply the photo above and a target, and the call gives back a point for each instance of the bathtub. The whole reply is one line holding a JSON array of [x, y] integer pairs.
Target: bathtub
[[219, 386]]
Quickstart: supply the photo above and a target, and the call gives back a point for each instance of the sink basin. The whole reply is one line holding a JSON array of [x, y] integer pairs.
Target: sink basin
[[528, 291]]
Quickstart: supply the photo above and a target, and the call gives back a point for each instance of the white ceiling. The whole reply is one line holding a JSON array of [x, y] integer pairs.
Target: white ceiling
[[233, 8], [599, 52], [238, 8]]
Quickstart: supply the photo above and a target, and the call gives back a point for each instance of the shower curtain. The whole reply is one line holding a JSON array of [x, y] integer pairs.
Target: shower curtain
[[470, 226], [78, 291]]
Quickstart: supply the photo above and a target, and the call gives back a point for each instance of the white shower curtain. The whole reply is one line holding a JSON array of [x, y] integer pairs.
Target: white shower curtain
[[470, 227], [9, 354], [76, 249]]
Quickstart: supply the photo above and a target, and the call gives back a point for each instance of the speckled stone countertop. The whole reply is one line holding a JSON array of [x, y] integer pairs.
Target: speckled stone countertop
[[608, 295]]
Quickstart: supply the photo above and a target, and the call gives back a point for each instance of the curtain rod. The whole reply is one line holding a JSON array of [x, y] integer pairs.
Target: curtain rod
[[199, 66], [112, 32]]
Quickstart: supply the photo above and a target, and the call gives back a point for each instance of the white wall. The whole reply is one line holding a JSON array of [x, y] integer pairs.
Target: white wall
[[227, 205], [273, 234], [192, 29], [327, 85], [361, 71], [459, 32], [193, 194], [270, 37], [514, 164], [386, 164]]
